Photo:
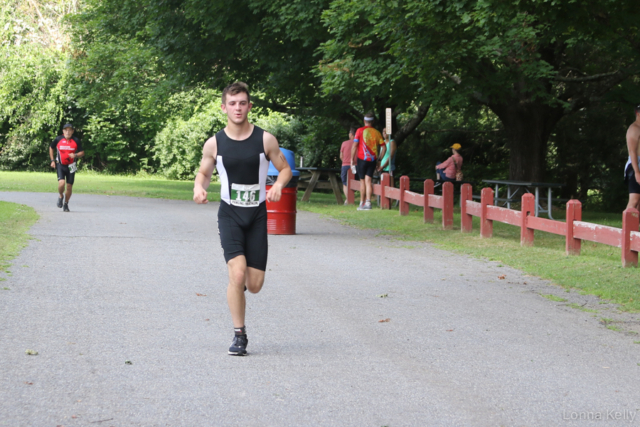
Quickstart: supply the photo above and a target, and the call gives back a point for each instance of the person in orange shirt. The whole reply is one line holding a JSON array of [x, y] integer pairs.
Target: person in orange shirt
[[367, 146]]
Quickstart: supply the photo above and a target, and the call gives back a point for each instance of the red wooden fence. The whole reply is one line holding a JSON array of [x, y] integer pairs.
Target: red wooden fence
[[574, 229]]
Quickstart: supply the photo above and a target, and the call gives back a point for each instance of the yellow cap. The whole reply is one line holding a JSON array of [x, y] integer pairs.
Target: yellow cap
[[456, 146]]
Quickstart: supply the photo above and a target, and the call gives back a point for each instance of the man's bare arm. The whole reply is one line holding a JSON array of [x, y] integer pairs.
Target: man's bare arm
[[207, 165], [354, 149], [272, 150], [633, 139]]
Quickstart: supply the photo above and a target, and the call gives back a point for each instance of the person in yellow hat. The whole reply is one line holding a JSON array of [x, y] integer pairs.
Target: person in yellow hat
[[448, 169]]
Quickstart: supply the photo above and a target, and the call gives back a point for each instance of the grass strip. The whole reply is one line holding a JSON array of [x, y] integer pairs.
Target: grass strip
[[15, 221], [596, 271], [87, 182]]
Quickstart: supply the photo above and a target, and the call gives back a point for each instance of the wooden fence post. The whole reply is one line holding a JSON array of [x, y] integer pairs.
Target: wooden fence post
[[428, 210], [350, 193], [466, 220], [528, 208], [404, 186], [574, 213], [486, 225], [447, 206], [384, 182], [630, 222]]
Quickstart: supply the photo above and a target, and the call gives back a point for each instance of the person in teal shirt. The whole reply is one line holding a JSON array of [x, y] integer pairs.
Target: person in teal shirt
[[388, 162]]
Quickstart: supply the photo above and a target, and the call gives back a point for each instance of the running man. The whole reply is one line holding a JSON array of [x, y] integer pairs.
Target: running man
[[367, 145], [63, 152], [241, 153], [631, 170]]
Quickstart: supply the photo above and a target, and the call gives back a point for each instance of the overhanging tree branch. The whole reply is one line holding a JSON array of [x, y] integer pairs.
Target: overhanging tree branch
[[412, 124], [593, 78]]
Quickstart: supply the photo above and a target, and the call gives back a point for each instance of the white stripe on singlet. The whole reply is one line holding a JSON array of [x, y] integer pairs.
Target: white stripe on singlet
[[224, 181], [264, 167]]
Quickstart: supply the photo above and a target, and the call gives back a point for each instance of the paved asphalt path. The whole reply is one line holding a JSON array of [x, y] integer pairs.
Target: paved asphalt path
[[143, 281]]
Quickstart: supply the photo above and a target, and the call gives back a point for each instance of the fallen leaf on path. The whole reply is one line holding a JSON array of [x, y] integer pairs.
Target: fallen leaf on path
[[382, 295], [502, 277], [450, 330], [128, 362], [28, 383], [201, 295], [206, 320], [384, 320], [31, 352]]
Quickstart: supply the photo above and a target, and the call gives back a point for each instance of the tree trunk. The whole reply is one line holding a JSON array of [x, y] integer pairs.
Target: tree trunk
[[527, 126]]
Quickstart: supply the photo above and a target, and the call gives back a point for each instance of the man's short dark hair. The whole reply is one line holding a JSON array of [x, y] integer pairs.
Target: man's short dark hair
[[353, 130], [68, 125], [234, 89]]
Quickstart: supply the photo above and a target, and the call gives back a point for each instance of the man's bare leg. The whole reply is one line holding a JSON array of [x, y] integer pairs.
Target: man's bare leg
[[634, 201], [368, 187], [61, 188], [240, 276], [68, 193]]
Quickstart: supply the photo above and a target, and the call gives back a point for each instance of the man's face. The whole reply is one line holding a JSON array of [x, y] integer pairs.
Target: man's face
[[237, 107], [67, 132]]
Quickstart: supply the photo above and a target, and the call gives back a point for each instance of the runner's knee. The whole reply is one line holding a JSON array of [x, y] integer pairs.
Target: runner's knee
[[255, 280]]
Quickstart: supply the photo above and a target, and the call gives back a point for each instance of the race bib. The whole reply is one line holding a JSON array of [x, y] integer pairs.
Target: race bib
[[73, 167], [245, 195]]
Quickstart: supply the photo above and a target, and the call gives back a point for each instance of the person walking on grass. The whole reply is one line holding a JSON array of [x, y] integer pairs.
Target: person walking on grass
[[631, 170], [241, 153], [64, 152], [347, 160], [365, 150]]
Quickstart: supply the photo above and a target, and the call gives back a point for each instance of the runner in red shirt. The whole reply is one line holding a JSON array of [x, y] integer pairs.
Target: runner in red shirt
[[64, 151], [366, 145]]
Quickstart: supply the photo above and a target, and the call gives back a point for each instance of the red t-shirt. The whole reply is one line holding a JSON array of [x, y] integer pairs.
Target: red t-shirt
[[369, 140], [64, 147], [345, 151]]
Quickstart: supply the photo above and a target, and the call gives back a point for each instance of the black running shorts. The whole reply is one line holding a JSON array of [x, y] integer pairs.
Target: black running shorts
[[243, 231], [365, 168], [630, 177], [65, 174]]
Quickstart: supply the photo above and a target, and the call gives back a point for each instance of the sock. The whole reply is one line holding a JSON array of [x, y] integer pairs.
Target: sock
[[240, 331]]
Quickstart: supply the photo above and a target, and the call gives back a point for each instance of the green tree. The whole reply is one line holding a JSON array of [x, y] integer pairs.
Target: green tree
[[33, 80], [531, 62]]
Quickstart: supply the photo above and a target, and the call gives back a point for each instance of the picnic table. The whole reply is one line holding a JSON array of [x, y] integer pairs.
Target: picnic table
[[515, 187], [313, 176]]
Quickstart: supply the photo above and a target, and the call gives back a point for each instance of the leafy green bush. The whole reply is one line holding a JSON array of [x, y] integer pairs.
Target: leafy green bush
[[178, 146], [32, 104]]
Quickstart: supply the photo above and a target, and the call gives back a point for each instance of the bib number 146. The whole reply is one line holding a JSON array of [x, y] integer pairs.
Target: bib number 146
[[245, 195]]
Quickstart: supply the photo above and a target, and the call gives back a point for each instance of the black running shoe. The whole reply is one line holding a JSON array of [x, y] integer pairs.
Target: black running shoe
[[66, 208], [60, 201], [239, 345]]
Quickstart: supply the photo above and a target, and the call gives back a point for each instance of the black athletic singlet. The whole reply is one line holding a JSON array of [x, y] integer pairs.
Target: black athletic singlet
[[242, 217]]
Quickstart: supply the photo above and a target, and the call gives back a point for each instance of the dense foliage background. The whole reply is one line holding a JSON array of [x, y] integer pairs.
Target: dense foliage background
[[533, 89]]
